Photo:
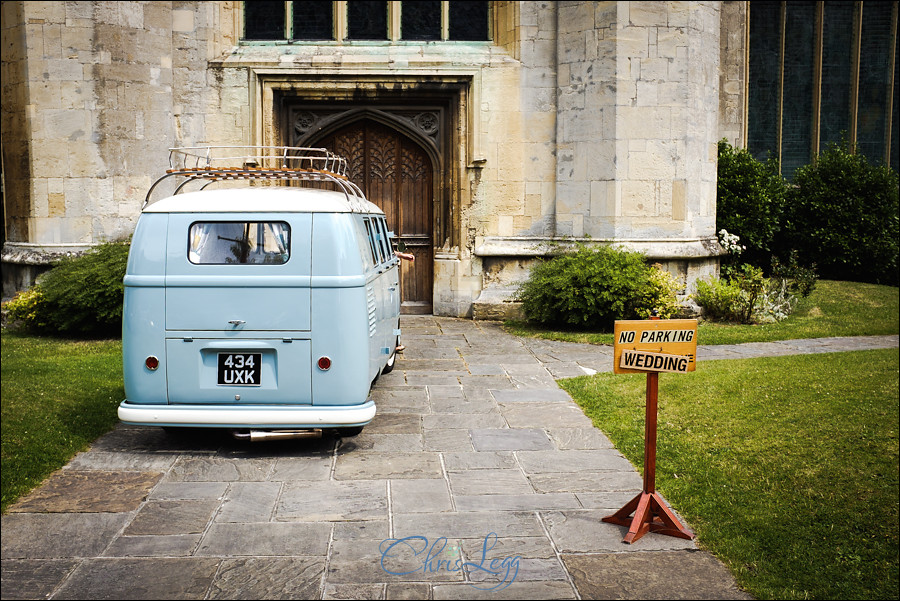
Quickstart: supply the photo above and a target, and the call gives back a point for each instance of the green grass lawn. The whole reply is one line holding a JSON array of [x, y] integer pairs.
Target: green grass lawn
[[786, 468], [833, 309], [57, 397]]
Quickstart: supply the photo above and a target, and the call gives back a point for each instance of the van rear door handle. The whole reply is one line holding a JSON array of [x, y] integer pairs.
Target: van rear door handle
[[236, 322]]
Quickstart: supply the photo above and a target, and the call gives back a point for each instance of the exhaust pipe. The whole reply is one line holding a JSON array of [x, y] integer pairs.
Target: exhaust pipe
[[258, 435]]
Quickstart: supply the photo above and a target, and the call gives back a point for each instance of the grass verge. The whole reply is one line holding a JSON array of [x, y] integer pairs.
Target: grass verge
[[786, 468], [833, 309], [57, 397]]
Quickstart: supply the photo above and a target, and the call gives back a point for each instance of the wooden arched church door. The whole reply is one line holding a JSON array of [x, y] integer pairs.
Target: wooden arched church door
[[397, 175]]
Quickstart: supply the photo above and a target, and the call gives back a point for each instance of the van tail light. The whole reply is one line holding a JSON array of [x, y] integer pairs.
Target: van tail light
[[324, 363], [151, 362]]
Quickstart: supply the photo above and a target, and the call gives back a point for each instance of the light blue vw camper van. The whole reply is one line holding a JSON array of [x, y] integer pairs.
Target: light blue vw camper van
[[263, 301]]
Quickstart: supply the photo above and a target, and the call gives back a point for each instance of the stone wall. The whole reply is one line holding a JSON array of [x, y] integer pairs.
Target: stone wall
[[14, 98], [94, 93], [636, 126], [98, 103]]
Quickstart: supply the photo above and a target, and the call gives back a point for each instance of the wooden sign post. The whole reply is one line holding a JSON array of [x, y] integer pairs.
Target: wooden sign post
[[652, 346]]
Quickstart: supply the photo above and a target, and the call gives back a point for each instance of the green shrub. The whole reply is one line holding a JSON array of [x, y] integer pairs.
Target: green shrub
[[592, 287], [745, 296], [27, 310], [718, 298], [752, 284], [661, 294], [81, 296], [799, 280], [776, 302], [843, 214], [749, 201]]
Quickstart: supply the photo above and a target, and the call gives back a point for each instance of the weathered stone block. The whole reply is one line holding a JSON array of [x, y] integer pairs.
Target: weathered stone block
[[183, 21], [644, 122]]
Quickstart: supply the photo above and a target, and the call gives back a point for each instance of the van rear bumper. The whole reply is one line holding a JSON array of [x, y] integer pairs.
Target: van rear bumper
[[246, 416]]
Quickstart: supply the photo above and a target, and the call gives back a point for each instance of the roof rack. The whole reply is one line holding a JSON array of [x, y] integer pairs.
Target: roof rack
[[284, 163]]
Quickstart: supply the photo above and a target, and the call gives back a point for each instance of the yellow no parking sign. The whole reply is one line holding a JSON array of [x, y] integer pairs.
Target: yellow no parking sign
[[655, 345]]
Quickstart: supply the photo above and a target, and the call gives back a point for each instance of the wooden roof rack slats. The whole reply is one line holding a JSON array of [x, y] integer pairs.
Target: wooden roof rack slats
[[284, 163]]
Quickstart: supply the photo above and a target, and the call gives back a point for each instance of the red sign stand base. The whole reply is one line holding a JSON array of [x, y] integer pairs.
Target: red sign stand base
[[650, 515], [650, 511]]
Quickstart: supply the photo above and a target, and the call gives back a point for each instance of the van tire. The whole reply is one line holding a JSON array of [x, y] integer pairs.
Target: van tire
[[348, 432], [392, 360]]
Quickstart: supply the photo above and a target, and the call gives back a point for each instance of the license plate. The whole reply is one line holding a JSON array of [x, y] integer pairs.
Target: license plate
[[240, 369]]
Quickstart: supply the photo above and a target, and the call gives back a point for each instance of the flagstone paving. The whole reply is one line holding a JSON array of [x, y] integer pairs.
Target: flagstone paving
[[479, 478]]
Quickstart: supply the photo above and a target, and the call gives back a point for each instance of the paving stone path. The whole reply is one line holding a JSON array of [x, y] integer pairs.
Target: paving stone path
[[476, 457]]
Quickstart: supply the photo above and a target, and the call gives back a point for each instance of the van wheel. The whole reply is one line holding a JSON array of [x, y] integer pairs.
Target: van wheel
[[348, 432], [179, 432], [389, 367]]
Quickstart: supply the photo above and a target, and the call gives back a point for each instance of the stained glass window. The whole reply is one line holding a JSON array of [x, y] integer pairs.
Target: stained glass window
[[367, 20], [797, 111], [468, 21], [895, 113], [836, 78], [783, 72], [874, 80], [421, 20], [313, 20], [316, 20], [263, 20], [765, 69]]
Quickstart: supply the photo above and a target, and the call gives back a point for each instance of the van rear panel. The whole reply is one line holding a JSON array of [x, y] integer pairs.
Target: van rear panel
[[341, 334], [248, 371], [143, 336], [251, 306]]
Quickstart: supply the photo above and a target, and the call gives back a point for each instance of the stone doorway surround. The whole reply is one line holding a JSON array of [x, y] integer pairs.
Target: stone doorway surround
[[434, 108]]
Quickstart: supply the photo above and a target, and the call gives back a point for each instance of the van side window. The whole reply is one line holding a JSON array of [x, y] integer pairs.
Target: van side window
[[383, 241], [379, 240], [373, 245], [239, 242]]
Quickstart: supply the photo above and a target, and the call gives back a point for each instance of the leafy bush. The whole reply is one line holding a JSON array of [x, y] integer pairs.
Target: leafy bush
[[745, 296], [752, 284], [81, 296], [799, 280], [843, 214], [750, 201], [661, 294], [592, 287], [740, 298], [776, 302], [27, 309], [718, 298]]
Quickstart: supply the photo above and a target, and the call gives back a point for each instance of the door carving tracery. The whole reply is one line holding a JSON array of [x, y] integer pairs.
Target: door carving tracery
[[396, 174]]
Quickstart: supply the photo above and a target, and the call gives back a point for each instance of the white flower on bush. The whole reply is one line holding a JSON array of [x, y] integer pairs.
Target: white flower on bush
[[731, 242]]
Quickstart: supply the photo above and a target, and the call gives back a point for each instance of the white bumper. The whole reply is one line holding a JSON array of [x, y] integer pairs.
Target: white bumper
[[224, 416]]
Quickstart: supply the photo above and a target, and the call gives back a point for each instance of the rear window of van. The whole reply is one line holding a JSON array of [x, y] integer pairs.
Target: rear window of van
[[239, 243]]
